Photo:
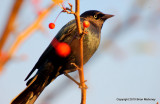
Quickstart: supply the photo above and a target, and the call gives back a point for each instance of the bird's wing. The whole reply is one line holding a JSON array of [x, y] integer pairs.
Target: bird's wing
[[61, 36], [40, 61], [68, 29]]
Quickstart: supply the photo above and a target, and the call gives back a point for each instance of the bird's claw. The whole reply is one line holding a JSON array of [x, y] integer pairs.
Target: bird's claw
[[83, 87], [77, 67]]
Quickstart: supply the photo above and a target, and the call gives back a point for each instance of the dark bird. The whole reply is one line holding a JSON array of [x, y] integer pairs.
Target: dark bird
[[50, 65]]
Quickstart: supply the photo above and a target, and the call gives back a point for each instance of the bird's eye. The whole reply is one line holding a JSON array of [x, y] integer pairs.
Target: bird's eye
[[95, 16]]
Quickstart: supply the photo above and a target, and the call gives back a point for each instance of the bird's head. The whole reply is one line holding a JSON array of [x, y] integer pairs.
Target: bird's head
[[96, 17]]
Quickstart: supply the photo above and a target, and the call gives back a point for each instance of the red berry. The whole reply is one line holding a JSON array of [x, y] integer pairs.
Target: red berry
[[63, 49], [86, 24], [51, 25]]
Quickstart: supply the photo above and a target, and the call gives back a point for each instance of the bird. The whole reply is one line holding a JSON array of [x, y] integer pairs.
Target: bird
[[51, 65]]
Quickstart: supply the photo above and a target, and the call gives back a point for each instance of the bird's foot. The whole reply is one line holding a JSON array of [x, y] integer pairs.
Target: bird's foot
[[79, 84], [71, 78], [77, 67], [83, 87]]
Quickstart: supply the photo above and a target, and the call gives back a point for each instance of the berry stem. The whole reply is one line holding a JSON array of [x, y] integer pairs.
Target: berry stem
[[57, 17]]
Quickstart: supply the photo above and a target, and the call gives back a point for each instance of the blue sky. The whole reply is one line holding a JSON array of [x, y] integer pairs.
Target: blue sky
[[126, 68]]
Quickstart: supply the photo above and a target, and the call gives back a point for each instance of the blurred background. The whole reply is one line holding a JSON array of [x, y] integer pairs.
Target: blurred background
[[126, 65]]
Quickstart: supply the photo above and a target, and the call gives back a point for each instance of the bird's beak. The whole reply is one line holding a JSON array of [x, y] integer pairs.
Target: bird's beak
[[106, 16]]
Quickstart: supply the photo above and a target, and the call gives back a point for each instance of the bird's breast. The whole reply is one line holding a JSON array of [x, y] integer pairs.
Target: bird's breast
[[90, 43]]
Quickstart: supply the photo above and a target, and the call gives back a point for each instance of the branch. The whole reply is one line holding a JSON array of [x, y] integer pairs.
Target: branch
[[26, 33], [81, 34], [81, 72], [13, 14], [10, 22]]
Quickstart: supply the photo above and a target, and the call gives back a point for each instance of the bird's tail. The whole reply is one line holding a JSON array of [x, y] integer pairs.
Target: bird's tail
[[36, 85], [30, 94], [32, 91]]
